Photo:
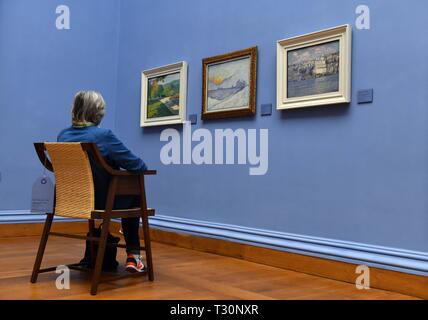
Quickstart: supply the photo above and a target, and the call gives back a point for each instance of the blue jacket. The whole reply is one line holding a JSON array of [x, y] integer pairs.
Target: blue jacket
[[113, 150], [116, 155]]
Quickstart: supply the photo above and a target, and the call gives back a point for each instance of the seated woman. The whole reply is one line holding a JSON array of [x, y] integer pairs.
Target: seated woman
[[87, 113]]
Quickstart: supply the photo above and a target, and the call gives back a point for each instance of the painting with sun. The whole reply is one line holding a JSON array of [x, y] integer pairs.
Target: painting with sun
[[229, 83]]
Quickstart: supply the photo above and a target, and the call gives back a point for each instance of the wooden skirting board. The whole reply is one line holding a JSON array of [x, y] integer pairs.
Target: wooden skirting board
[[404, 283], [34, 229]]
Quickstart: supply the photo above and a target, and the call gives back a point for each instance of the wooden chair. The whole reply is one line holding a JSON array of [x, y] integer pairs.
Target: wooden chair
[[74, 198]]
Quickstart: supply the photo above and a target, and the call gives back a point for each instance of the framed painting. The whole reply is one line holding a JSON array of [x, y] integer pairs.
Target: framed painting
[[163, 95], [314, 69], [229, 85]]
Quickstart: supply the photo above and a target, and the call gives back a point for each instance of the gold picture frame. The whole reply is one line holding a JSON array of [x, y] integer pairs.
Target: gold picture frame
[[229, 85]]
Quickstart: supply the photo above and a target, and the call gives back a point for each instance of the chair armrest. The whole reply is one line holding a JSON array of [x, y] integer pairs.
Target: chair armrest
[[129, 173], [149, 172], [92, 148]]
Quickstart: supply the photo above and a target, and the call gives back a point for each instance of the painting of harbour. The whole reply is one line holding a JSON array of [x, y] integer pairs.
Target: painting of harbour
[[163, 96], [228, 85], [313, 70]]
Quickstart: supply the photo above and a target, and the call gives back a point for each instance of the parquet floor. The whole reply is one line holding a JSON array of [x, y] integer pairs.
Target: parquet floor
[[179, 274]]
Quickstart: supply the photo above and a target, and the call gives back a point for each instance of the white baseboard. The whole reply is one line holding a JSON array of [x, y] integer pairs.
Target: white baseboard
[[414, 262]]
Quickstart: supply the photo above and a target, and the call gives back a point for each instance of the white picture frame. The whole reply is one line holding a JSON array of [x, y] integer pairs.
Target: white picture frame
[[291, 92], [148, 109]]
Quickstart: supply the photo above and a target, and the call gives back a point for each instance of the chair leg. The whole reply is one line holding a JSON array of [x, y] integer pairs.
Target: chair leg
[[100, 255], [147, 245], [91, 224], [42, 246]]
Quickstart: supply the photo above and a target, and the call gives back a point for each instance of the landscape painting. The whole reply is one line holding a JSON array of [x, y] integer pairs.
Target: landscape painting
[[163, 96], [313, 70], [229, 84]]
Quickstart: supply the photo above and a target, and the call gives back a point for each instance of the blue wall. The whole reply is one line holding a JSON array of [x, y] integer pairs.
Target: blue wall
[[41, 68], [355, 173]]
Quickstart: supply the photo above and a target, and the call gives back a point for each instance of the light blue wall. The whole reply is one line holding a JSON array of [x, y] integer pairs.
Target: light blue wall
[[40, 70], [355, 173]]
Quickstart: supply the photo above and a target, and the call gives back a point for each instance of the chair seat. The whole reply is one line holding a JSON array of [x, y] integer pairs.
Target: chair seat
[[125, 213]]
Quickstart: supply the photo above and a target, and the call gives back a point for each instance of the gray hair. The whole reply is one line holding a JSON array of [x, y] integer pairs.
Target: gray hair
[[88, 108]]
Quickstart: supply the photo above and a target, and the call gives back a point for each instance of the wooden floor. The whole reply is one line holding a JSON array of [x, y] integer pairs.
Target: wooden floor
[[179, 274]]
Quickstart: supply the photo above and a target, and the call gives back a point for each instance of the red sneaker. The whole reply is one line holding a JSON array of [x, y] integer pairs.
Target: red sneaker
[[134, 263]]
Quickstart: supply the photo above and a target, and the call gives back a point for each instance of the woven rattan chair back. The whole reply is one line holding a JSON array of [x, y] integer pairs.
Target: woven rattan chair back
[[73, 176]]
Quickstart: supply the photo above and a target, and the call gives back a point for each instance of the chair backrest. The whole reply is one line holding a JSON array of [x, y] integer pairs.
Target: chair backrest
[[74, 188]]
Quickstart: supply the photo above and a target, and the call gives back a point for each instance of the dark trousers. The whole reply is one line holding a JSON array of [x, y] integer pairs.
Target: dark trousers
[[130, 226]]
